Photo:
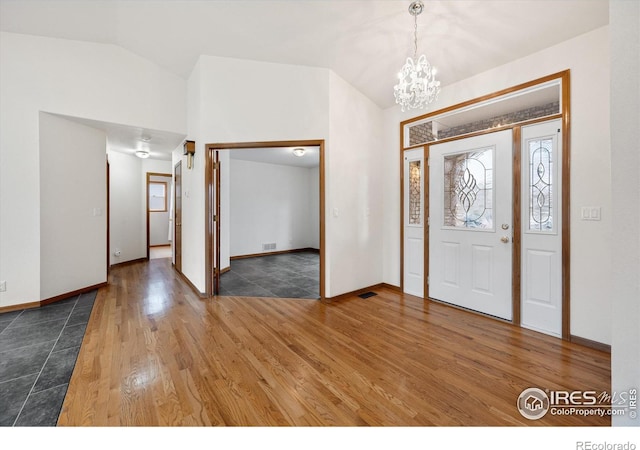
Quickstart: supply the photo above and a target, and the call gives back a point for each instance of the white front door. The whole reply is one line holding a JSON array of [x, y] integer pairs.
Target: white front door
[[470, 231], [414, 172], [541, 243]]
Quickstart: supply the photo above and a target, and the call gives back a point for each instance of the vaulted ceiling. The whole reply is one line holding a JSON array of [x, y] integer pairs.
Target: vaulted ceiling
[[365, 42]]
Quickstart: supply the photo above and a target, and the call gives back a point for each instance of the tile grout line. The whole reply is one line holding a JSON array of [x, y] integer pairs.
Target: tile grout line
[[14, 319], [253, 282], [45, 362]]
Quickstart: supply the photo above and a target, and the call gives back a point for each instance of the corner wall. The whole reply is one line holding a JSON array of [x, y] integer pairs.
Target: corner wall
[[126, 220], [232, 100], [625, 168], [73, 206], [354, 175], [78, 79]]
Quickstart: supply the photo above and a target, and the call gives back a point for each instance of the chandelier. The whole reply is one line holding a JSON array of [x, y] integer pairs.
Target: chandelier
[[417, 86]]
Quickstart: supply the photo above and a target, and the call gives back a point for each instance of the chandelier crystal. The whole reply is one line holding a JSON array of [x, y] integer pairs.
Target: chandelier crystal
[[417, 85]]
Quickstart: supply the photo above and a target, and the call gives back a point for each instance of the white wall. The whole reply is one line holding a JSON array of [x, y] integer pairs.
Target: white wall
[[354, 174], [126, 215], [73, 204], [231, 100], [270, 204], [80, 79], [625, 165], [587, 57]]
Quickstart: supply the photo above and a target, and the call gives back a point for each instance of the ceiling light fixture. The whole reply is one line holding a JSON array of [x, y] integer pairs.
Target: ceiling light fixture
[[142, 154], [417, 86], [298, 151]]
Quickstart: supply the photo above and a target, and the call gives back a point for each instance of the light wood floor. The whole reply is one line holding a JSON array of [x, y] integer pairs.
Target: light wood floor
[[155, 354]]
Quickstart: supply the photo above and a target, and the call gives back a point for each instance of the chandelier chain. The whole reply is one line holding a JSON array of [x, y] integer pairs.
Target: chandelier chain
[[415, 36]]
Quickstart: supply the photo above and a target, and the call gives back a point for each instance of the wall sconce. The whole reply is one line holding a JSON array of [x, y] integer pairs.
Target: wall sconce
[[189, 150]]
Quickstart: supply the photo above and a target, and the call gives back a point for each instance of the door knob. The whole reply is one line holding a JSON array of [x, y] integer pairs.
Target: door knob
[[505, 239]]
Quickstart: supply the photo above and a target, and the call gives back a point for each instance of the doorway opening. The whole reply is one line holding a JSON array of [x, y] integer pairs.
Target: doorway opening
[[158, 215], [265, 219]]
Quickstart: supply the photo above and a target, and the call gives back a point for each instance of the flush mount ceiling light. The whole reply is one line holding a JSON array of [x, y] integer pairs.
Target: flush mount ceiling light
[[417, 86], [298, 151], [142, 153]]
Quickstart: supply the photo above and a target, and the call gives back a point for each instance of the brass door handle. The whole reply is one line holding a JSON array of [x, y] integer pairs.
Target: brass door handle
[[505, 239]]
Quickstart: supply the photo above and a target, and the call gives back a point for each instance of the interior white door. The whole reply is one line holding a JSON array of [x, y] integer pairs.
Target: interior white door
[[414, 172], [541, 242], [470, 231]]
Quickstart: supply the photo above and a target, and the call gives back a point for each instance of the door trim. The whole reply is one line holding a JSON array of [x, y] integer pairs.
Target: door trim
[[177, 249], [210, 201], [565, 116], [216, 268], [147, 215], [516, 255]]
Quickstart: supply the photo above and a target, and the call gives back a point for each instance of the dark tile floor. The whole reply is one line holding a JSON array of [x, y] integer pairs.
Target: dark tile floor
[[38, 351], [287, 275]]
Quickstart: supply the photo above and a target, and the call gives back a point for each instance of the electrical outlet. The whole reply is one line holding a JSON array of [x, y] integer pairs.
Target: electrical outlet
[[3, 286]]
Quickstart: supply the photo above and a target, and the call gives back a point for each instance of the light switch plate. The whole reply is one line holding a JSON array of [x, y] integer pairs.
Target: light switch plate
[[591, 213]]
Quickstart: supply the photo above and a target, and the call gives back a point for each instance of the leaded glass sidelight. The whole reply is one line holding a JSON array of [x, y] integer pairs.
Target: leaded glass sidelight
[[541, 185], [468, 189], [415, 193]]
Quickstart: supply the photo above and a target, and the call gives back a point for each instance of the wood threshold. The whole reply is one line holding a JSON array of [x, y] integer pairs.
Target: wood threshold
[[471, 311]]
